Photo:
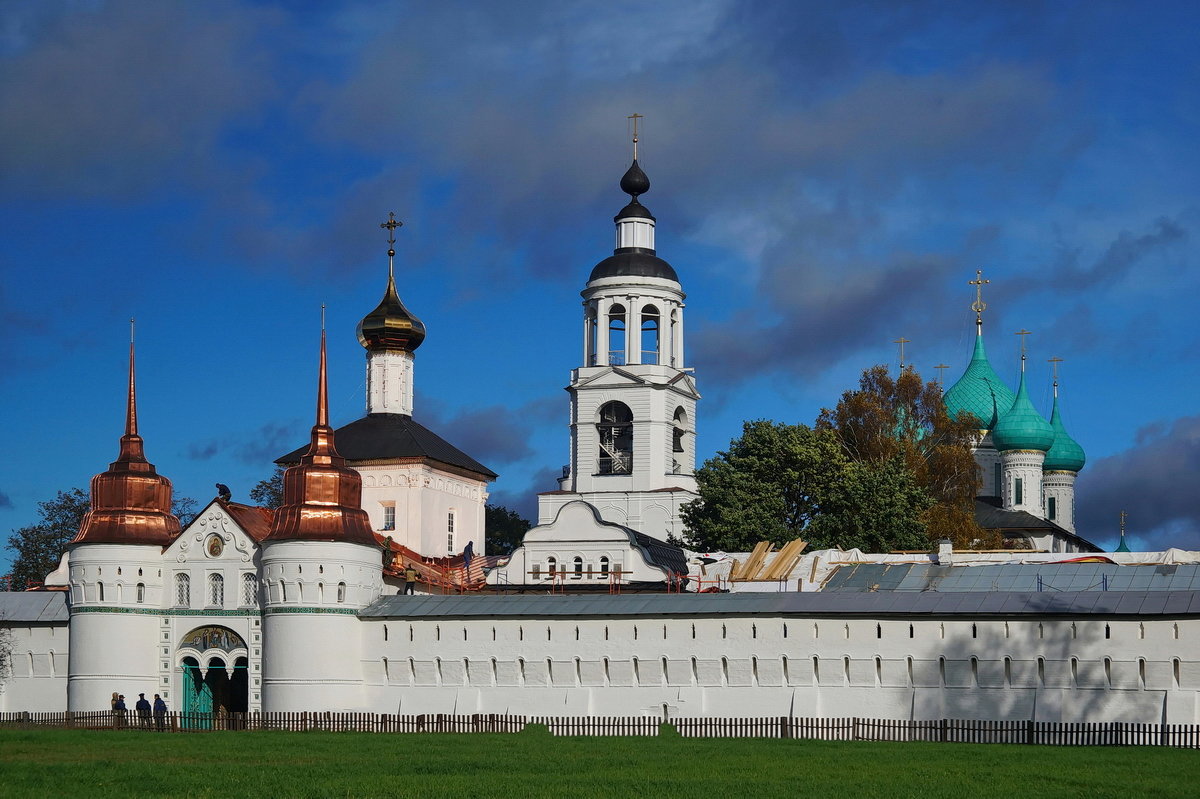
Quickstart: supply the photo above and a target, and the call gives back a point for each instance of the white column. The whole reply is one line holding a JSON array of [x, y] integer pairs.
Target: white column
[[587, 339], [602, 331], [677, 341], [633, 343]]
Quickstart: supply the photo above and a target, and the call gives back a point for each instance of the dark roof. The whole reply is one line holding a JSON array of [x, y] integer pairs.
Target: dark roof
[[387, 436], [633, 262], [793, 603], [1009, 577], [990, 515], [666, 556], [30, 607], [634, 209]]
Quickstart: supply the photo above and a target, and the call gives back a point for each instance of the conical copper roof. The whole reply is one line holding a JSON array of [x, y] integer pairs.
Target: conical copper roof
[[322, 498], [131, 503]]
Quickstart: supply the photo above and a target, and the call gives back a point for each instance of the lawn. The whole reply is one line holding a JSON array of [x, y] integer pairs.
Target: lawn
[[535, 764]]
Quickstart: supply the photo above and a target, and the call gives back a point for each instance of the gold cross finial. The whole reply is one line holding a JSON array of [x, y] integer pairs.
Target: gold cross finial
[[979, 306], [941, 368], [391, 224], [902, 341], [1054, 362], [635, 118], [1023, 333]]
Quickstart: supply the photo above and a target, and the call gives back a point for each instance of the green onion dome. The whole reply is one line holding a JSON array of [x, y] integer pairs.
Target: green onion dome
[[1022, 427], [980, 391], [1065, 455]]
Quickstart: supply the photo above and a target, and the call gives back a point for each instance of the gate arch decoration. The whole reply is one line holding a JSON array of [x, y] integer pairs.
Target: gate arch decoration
[[213, 662]]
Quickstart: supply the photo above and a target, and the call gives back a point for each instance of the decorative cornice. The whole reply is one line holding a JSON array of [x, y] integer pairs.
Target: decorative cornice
[[310, 609], [165, 611]]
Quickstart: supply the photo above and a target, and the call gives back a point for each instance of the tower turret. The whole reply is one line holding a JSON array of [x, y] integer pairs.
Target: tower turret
[[981, 393], [391, 334], [1022, 437], [1063, 462], [320, 565], [633, 401], [116, 572]]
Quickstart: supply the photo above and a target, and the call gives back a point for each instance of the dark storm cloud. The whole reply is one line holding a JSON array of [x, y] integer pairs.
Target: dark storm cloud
[[524, 500], [1156, 482], [119, 97], [258, 448], [495, 435], [1123, 254]]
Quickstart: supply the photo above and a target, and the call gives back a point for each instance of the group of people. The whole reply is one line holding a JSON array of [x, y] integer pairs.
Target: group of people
[[144, 711]]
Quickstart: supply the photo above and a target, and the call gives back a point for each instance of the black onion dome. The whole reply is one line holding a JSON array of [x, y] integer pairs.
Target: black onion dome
[[634, 181], [391, 327], [633, 262]]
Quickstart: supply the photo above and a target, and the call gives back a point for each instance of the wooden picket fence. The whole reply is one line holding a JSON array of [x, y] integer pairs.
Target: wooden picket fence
[[1046, 733]]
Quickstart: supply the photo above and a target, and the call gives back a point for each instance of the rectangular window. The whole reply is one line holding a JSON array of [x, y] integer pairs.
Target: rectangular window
[[1052, 509], [249, 589], [183, 590], [997, 480], [450, 533], [1019, 493], [389, 517]]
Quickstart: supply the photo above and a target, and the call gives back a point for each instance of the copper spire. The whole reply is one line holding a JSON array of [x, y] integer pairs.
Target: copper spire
[[322, 497], [131, 502]]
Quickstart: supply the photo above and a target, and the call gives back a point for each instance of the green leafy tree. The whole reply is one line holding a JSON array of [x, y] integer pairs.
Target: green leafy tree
[[269, 493], [903, 417], [504, 528], [39, 547]]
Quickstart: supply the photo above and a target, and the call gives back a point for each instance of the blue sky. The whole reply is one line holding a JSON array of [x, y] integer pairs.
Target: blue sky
[[827, 178]]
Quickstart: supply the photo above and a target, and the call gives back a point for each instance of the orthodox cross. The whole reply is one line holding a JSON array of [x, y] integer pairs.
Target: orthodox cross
[[635, 118], [391, 224], [1054, 362], [1023, 333], [941, 367], [979, 306], [902, 341]]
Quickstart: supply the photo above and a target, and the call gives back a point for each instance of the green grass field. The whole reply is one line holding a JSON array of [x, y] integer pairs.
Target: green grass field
[[68, 763]]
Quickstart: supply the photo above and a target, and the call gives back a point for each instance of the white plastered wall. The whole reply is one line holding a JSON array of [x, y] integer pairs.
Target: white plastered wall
[[37, 676], [424, 496]]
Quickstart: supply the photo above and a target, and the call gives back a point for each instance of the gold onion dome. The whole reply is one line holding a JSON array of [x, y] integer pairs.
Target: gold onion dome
[[391, 327], [131, 502], [322, 497]]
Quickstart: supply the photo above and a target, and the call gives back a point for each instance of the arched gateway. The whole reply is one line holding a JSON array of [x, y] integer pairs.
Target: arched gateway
[[212, 667]]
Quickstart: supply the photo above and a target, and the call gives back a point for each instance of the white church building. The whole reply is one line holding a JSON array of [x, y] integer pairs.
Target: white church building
[[247, 609]]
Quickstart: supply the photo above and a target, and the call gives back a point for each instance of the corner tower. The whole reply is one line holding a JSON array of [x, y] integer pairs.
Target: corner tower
[[320, 566], [116, 574], [633, 399]]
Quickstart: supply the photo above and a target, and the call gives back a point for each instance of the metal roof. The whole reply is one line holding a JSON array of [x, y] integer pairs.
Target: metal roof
[[33, 607], [819, 603], [1015, 577]]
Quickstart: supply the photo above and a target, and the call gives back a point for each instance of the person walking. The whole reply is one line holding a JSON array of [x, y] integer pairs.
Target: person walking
[[142, 706], [160, 714], [410, 579]]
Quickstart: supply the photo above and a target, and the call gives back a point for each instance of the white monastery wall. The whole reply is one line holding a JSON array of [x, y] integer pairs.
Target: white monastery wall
[[1061, 670], [37, 677]]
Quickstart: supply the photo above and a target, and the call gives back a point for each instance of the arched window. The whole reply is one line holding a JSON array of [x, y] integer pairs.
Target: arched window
[[604, 565], [616, 335], [249, 589], [183, 590], [650, 337], [678, 430], [216, 590], [551, 567], [615, 429], [141, 593], [100, 592], [577, 568], [341, 594]]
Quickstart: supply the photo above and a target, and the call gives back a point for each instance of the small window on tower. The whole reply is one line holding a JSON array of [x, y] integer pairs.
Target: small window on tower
[[1019, 491], [677, 433], [1051, 509], [389, 517]]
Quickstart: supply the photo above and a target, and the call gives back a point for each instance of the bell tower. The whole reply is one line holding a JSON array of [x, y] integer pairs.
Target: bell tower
[[633, 399]]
